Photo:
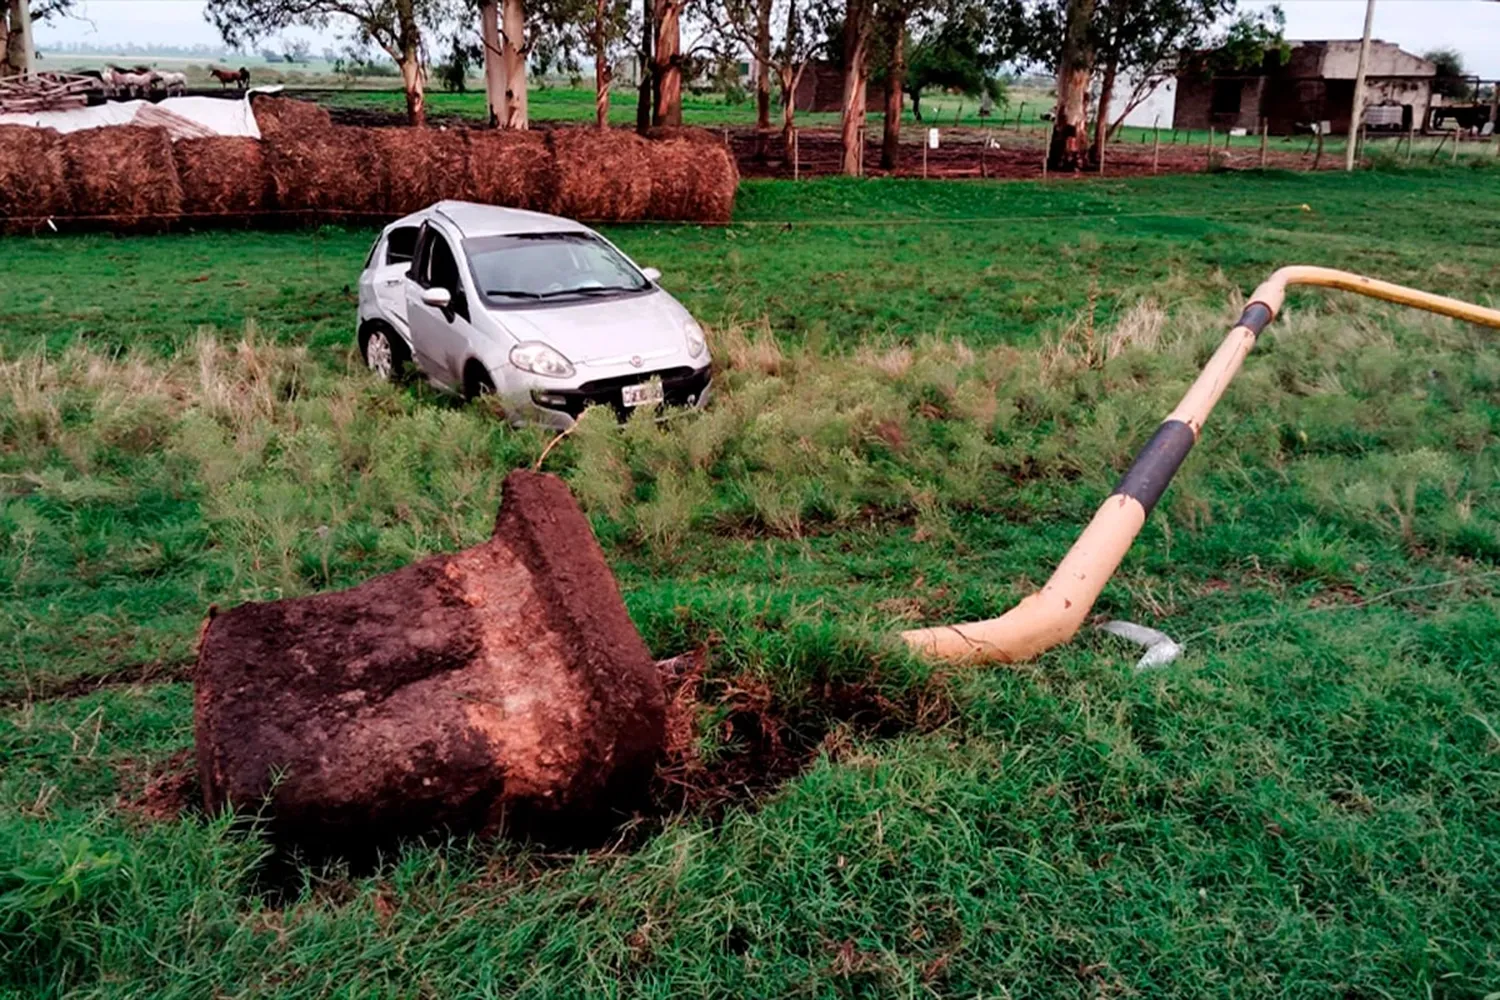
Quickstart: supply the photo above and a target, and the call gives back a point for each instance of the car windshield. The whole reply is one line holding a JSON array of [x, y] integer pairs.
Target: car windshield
[[536, 266]]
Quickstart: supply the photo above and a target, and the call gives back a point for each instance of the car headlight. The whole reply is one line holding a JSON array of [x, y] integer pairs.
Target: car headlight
[[540, 359], [696, 344]]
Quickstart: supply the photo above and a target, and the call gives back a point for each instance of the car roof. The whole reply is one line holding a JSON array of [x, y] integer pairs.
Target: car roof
[[473, 219]]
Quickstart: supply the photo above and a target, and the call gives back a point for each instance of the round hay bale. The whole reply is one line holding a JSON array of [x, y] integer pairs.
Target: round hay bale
[[514, 169], [603, 175], [124, 172], [283, 115], [222, 177], [338, 173], [424, 165], [693, 177], [33, 179]]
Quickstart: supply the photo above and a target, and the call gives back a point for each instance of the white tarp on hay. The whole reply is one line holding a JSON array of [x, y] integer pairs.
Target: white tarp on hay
[[182, 117]]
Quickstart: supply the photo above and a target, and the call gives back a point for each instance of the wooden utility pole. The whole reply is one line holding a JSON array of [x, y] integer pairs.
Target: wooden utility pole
[[1357, 113]]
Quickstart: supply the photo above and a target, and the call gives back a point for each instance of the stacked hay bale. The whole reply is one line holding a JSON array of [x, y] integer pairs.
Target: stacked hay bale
[[337, 174], [693, 176], [123, 175], [424, 165], [222, 177], [278, 116], [33, 180], [514, 169], [308, 169], [602, 175]]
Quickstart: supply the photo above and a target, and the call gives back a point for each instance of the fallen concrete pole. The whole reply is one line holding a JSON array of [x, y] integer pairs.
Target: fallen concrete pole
[[501, 689], [1052, 615]]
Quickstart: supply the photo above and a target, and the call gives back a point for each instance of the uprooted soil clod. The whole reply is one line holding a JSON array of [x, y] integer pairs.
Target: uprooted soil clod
[[497, 690]]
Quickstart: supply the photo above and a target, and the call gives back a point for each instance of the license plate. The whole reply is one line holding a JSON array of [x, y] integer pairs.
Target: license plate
[[645, 394]]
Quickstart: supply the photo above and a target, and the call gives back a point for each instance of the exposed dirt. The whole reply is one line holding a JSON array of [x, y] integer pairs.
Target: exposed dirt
[[997, 153], [155, 672], [732, 742], [160, 792]]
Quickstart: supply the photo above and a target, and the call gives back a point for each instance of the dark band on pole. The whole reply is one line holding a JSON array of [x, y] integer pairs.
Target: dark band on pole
[[1157, 463], [1255, 317]]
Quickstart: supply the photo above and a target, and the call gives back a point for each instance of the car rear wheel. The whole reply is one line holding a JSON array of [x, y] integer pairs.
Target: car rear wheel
[[385, 353]]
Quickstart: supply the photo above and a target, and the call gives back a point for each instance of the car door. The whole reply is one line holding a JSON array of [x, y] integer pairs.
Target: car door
[[440, 337], [389, 278]]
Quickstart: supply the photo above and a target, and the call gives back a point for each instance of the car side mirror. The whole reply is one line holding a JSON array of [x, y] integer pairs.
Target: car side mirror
[[438, 298], [651, 273]]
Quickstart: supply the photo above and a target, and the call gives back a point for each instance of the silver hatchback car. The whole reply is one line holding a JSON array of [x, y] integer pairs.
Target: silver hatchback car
[[542, 311]]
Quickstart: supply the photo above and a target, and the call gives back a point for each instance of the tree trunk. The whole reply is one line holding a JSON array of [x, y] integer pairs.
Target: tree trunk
[[409, 60], [602, 72], [852, 109], [1106, 94], [890, 146], [21, 46], [1069, 149], [763, 64], [790, 77], [645, 101], [513, 54], [1117, 10], [668, 63], [500, 689], [494, 64]]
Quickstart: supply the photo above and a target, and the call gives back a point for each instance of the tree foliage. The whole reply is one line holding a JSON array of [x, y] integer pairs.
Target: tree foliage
[[1451, 80]]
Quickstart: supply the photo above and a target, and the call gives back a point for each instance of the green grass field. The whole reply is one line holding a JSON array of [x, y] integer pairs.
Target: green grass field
[[924, 391]]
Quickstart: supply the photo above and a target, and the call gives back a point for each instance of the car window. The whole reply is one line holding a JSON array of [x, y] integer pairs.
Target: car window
[[370, 257], [442, 269], [550, 265], [401, 245]]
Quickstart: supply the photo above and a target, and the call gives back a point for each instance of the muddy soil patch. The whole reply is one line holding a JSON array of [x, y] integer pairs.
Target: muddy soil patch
[[162, 791]]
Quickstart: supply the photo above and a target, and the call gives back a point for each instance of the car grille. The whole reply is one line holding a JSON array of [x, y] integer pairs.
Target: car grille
[[681, 386]]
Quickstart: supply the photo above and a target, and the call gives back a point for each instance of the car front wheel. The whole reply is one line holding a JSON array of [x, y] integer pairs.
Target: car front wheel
[[385, 353]]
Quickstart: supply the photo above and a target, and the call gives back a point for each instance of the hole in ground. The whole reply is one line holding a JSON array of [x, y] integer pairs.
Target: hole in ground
[[731, 742]]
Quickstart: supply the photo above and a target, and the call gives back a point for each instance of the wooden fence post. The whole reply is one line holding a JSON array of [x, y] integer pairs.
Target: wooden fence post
[[1046, 149], [1155, 148], [1265, 131], [1210, 148]]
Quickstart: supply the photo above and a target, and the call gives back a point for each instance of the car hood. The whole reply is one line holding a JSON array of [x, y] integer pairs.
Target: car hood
[[649, 324]]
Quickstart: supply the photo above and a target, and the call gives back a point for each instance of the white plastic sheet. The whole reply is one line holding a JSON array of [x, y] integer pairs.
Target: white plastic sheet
[[183, 117]]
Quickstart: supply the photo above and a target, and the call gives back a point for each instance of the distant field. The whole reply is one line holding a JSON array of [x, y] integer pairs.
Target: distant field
[[923, 391]]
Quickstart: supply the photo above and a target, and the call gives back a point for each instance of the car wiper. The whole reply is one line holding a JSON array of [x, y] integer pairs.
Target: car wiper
[[590, 290], [510, 293]]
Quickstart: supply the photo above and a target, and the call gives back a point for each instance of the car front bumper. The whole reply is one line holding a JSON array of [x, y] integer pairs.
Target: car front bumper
[[682, 386]]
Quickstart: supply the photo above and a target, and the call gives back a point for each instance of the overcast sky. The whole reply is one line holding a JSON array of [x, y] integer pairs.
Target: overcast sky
[[1471, 26]]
